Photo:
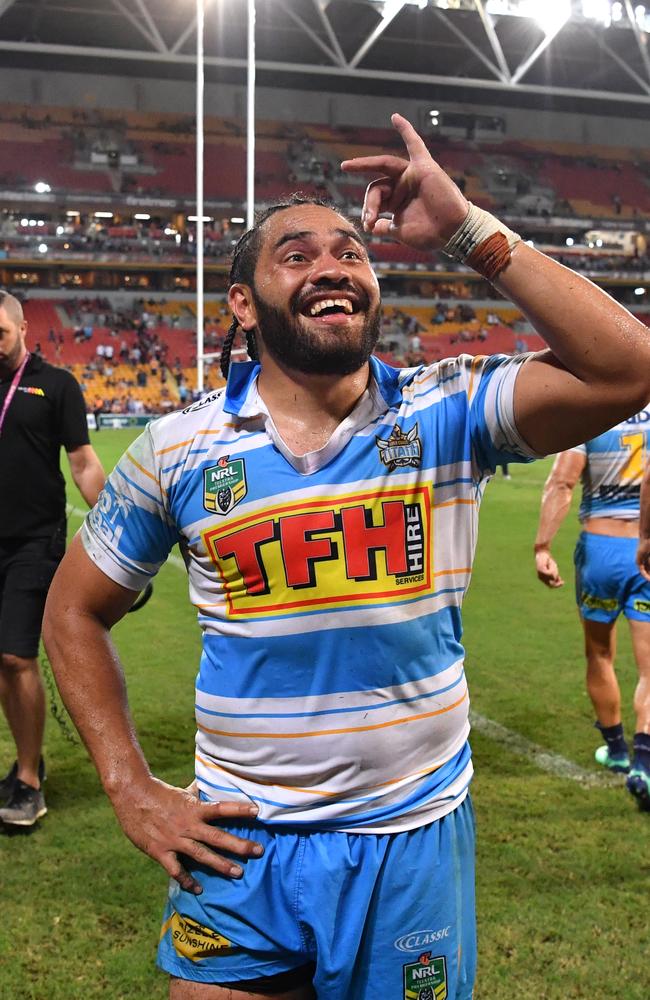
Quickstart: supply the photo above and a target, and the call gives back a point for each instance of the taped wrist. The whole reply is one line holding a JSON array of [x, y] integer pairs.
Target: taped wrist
[[483, 242]]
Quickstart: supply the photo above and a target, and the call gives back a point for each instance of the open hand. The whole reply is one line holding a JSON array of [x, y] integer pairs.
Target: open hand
[[425, 205], [169, 823]]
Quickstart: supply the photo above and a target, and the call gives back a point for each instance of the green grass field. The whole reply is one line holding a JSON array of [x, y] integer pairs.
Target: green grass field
[[563, 869]]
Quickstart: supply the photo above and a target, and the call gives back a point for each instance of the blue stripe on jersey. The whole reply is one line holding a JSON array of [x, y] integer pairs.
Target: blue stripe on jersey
[[431, 786], [383, 656], [137, 527], [426, 788], [487, 456], [350, 710]]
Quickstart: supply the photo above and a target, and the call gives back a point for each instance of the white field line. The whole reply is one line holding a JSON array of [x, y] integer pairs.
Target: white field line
[[552, 763]]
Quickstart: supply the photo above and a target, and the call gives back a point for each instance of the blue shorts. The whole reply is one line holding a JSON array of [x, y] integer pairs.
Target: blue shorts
[[608, 579], [359, 915]]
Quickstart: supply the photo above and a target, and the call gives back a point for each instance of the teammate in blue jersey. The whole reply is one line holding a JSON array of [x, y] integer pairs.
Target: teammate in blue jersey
[[608, 582], [326, 507]]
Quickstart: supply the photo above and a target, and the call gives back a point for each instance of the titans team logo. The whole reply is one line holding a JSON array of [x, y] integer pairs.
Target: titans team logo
[[400, 450], [224, 485]]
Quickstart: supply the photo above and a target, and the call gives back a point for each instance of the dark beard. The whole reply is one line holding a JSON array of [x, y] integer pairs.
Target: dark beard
[[293, 346]]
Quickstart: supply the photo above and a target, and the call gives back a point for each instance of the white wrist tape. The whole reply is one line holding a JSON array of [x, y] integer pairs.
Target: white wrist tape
[[470, 240]]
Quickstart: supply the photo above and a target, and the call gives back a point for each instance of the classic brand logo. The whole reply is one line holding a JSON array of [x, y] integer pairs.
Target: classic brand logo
[[224, 485], [426, 979], [329, 553], [400, 450], [417, 940], [192, 940]]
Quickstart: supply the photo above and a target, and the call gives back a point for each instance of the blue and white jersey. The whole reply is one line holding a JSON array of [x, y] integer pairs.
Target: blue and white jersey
[[331, 689], [611, 480]]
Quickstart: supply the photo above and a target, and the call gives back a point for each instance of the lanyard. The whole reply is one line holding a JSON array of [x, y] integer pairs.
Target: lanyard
[[18, 374]]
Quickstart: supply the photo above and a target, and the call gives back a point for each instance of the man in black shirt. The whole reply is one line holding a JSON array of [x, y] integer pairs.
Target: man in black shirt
[[41, 408]]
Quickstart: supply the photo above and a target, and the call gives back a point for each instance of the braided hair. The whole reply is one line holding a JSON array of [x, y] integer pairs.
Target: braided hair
[[244, 262]]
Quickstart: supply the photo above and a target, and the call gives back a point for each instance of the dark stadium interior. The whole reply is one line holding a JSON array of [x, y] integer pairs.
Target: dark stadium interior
[[98, 168]]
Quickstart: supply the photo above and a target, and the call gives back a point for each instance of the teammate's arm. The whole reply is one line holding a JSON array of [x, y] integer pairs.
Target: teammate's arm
[[597, 371], [165, 822], [556, 501], [643, 551], [87, 472]]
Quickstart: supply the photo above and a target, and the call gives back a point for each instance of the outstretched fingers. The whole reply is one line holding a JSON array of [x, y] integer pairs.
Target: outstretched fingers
[[415, 145], [394, 166]]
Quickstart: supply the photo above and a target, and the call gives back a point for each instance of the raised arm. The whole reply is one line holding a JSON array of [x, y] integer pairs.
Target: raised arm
[[556, 501], [165, 822], [597, 371]]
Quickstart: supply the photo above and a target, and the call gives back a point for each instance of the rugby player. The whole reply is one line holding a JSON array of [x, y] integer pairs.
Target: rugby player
[[326, 505], [608, 581]]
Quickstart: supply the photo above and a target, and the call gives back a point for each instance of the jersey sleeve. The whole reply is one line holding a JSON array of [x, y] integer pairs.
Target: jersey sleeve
[[129, 532], [490, 384], [73, 425]]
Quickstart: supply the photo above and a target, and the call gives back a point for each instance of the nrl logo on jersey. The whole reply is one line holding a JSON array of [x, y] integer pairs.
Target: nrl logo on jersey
[[400, 450], [224, 485]]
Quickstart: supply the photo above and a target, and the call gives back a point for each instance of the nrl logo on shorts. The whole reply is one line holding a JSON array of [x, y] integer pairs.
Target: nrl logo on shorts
[[426, 979], [224, 485], [400, 450]]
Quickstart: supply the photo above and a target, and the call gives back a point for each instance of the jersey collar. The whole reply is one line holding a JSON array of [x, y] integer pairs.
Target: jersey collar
[[241, 388]]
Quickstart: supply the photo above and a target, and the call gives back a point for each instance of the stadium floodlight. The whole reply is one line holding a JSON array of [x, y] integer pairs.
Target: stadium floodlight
[[617, 12], [569, 241], [598, 10], [32, 222], [24, 222], [551, 15], [42, 187], [639, 291], [42, 247]]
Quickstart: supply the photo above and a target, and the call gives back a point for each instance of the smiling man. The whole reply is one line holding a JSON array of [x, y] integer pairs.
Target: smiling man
[[326, 506]]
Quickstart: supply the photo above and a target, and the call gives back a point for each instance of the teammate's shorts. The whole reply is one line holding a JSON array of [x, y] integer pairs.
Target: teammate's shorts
[[26, 571], [360, 915], [608, 580]]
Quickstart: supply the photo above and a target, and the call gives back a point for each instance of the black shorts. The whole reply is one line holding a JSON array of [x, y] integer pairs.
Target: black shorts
[[26, 570]]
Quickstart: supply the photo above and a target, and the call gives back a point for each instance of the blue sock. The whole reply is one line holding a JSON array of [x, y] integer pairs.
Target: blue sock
[[613, 736], [642, 752]]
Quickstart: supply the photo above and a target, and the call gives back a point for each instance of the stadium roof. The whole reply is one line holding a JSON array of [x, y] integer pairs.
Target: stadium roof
[[583, 54]]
